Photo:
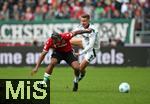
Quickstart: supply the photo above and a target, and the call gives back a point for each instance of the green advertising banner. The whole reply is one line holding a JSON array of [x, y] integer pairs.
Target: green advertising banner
[[14, 31]]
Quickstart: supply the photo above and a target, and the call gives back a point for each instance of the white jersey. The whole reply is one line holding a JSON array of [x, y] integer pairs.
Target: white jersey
[[91, 40]]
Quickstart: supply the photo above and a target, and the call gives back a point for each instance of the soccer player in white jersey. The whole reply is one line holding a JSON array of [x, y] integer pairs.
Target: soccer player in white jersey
[[90, 43]]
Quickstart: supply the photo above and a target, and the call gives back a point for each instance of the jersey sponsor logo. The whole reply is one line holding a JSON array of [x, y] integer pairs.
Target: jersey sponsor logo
[[62, 44]]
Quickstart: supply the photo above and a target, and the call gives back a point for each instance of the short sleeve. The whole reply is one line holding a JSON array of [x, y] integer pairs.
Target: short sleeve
[[47, 45], [67, 36]]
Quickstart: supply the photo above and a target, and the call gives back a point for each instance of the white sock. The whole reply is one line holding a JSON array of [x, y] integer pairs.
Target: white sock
[[76, 79], [79, 75], [46, 77]]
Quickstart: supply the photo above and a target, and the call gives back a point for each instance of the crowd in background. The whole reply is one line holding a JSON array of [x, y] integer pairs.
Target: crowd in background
[[38, 10], [41, 10]]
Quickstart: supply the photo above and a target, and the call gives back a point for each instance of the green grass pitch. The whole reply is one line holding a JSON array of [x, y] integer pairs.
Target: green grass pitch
[[100, 86]]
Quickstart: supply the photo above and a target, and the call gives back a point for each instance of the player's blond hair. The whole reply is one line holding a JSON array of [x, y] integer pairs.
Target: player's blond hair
[[85, 16]]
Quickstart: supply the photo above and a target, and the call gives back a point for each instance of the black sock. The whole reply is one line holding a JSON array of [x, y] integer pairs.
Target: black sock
[[81, 76]]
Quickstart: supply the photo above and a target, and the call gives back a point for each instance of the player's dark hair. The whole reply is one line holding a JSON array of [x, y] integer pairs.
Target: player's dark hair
[[85, 16], [55, 35]]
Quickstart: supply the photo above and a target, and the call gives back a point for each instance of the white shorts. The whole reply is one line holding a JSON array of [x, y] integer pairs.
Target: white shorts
[[90, 55]]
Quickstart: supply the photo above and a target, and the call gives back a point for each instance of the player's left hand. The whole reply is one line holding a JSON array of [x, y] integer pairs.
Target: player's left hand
[[89, 30], [33, 71]]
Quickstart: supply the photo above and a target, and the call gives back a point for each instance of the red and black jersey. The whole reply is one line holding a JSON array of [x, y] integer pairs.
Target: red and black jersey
[[63, 46]]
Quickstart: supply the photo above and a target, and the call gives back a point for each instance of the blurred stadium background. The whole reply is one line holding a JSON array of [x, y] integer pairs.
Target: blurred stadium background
[[124, 27]]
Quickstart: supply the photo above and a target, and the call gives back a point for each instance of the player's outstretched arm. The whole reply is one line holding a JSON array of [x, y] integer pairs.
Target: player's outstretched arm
[[42, 56], [74, 33]]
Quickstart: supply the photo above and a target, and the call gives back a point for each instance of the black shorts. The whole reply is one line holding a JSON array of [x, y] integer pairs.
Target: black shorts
[[69, 57]]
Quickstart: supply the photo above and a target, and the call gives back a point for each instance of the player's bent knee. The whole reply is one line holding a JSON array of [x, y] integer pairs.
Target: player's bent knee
[[54, 61], [75, 65], [76, 42]]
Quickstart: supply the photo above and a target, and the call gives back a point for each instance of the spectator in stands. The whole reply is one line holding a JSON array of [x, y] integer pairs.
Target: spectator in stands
[[88, 7], [51, 13], [38, 15], [30, 3], [21, 9], [72, 9], [28, 14], [44, 9], [16, 12], [11, 4], [124, 7], [116, 14], [41, 2], [138, 18], [63, 11], [4, 13], [99, 11], [146, 9]]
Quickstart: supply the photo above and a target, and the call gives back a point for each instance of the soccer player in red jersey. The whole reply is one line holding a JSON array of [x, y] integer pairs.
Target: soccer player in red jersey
[[62, 50]]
